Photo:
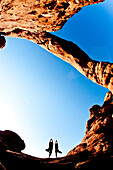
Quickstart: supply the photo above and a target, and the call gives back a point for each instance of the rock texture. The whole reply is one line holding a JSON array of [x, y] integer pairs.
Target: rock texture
[[99, 133], [11, 141], [38, 15], [33, 20], [98, 72], [95, 150]]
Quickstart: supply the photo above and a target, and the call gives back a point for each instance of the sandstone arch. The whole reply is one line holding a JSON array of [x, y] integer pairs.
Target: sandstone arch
[[33, 19], [26, 19]]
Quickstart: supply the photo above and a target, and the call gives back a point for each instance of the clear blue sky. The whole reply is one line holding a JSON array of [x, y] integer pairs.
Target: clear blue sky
[[41, 96]]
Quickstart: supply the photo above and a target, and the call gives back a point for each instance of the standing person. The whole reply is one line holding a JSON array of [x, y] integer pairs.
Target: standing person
[[50, 147], [56, 148]]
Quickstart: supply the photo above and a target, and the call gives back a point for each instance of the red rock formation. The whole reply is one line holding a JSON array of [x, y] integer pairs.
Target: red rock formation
[[99, 72], [32, 20], [99, 133], [38, 15]]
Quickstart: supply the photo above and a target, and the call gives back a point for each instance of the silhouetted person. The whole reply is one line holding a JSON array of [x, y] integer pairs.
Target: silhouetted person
[[50, 147], [56, 148]]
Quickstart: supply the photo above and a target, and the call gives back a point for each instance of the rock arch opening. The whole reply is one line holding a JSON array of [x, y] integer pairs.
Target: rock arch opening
[[98, 139]]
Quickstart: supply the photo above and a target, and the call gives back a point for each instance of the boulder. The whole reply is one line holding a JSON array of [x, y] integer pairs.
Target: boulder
[[11, 141]]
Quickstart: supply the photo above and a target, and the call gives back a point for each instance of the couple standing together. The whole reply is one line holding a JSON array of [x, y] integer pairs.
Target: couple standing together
[[51, 148]]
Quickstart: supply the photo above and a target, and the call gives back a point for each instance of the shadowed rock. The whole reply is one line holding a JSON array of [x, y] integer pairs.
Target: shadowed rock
[[99, 133], [11, 141], [2, 42]]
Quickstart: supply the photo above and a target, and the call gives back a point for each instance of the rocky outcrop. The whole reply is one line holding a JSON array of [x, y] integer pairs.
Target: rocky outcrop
[[99, 72], [2, 42], [38, 15], [11, 141], [33, 20], [95, 150], [99, 133]]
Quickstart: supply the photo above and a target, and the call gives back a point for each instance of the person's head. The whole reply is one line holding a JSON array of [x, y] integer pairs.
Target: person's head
[[2, 42]]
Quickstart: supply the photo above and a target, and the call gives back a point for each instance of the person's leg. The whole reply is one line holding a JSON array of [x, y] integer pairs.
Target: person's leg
[[59, 151], [56, 153], [49, 154]]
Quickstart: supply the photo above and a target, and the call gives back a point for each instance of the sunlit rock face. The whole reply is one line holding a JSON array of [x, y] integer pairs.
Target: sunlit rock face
[[38, 15], [32, 20], [99, 134]]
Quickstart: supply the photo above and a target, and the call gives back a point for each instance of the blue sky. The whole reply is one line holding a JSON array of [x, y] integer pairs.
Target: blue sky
[[43, 97]]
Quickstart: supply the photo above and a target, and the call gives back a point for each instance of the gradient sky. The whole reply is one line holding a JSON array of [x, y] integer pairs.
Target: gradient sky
[[43, 97]]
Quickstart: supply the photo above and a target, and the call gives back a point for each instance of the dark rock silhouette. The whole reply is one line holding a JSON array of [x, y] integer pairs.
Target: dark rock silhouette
[[2, 42], [11, 141], [99, 133]]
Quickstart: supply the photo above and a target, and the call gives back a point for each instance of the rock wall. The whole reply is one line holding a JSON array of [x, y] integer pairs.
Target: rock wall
[[33, 19], [99, 130], [38, 15]]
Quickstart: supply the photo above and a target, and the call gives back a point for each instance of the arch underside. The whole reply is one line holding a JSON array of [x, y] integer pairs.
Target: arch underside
[[33, 20]]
